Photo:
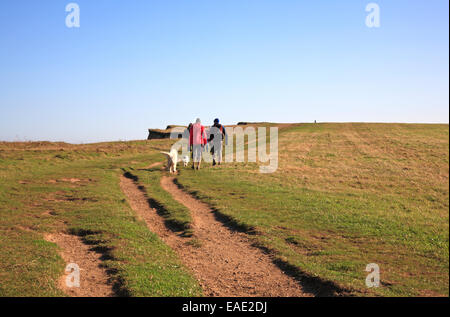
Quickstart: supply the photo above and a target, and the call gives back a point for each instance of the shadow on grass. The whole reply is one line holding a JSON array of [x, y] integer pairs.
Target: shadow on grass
[[311, 284], [182, 228], [228, 221], [91, 238]]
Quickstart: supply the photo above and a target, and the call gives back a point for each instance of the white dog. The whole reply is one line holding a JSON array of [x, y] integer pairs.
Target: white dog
[[172, 160], [185, 160]]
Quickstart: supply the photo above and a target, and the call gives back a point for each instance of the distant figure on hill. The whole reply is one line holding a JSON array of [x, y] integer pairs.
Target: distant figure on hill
[[217, 134], [197, 139]]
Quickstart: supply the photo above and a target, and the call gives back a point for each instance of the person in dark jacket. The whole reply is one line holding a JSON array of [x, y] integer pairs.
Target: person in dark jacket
[[217, 134]]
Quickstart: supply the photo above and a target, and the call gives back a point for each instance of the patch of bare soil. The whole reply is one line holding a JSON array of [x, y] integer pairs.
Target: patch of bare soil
[[69, 180], [223, 261], [152, 165], [93, 278], [49, 213]]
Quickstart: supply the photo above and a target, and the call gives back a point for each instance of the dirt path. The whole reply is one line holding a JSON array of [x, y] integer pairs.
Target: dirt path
[[223, 261], [154, 165], [93, 279]]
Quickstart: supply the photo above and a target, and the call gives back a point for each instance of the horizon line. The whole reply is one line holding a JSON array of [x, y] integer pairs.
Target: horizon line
[[268, 122]]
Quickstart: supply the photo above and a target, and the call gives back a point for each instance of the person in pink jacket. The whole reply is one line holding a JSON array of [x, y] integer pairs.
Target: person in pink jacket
[[197, 139]]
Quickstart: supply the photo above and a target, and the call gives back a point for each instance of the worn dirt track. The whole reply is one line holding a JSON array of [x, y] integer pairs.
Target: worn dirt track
[[223, 261], [93, 278]]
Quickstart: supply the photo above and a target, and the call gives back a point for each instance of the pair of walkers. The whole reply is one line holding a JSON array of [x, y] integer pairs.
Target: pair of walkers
[[198, 140]]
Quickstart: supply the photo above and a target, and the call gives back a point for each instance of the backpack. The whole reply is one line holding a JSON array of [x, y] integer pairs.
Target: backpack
[[221, 130]]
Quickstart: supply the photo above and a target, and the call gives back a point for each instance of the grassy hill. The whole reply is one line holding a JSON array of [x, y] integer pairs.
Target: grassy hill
[[344, 195]]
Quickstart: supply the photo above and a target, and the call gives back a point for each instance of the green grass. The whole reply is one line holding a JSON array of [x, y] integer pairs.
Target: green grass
[[346, 195], [176, 216], [33, 202]]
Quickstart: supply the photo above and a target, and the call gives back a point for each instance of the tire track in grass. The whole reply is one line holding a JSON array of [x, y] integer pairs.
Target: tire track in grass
[[93, 278], [223, 261]]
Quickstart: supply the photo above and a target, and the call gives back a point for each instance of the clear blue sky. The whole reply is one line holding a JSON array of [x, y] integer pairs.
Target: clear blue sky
[[133, 65]]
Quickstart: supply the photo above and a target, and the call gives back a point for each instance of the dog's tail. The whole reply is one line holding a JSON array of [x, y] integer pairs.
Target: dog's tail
[[165, 153]]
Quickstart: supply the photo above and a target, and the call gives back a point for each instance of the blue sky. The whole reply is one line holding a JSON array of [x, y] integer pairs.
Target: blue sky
[[134, 65]]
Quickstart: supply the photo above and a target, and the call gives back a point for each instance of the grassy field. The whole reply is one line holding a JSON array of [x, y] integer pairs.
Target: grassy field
[[344, 195], [38, 196]]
